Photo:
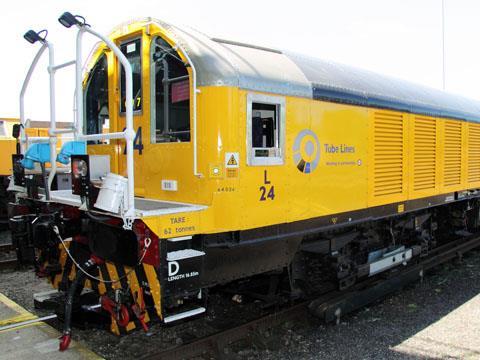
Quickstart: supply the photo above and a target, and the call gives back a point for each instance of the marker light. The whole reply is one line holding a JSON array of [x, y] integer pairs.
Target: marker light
[[68, 20], [32, 37], [79, 168]]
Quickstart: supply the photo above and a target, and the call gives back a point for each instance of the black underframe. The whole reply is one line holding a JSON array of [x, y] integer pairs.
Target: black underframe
[[333, 221], [239, 254]]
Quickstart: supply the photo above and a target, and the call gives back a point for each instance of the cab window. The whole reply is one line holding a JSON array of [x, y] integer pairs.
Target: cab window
[[132, 51], [96, 99], [266, 129], [170, 95]]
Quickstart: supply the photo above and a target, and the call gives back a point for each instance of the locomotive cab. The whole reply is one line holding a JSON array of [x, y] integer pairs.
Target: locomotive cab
[[163, 151], [161, 111]]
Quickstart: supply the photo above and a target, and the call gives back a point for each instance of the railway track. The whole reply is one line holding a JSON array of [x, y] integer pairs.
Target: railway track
[[8, 263], [6, 248], [329, 307]]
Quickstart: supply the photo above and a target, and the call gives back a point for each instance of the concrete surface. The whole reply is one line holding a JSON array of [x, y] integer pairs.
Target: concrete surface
[[35, 341], [454, 336]]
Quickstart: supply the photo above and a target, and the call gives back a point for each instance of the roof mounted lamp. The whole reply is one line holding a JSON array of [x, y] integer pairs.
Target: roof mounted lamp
[[32, 36], [68, 20]]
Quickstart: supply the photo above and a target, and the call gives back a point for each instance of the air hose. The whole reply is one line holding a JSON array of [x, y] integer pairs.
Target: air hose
[[78, 281]]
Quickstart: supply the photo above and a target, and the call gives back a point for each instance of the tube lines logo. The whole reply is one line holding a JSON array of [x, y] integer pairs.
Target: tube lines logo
[[306, 151]]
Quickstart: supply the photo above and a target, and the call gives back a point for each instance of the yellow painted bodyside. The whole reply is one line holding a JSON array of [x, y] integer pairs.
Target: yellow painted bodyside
[[397, 157], [7, 146], [428, 160]]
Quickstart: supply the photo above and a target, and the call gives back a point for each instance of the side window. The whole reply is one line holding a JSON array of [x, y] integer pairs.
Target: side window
[[132, 50], [96, 100], [3, 128], [170, 94], [265, 129]]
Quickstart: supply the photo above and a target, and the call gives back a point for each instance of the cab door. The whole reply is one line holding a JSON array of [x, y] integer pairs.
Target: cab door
[[135, 48]]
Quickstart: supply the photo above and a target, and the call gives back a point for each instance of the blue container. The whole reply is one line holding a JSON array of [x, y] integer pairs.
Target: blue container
[[71, 148], [39, 152]]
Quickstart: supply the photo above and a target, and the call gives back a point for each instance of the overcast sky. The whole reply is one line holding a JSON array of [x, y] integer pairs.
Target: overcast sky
[[402, 38]]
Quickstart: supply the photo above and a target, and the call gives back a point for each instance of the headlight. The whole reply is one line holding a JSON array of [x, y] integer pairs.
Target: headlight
[[79, 168]]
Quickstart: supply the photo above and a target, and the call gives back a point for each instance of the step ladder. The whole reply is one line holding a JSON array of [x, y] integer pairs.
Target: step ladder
[[184, 268]]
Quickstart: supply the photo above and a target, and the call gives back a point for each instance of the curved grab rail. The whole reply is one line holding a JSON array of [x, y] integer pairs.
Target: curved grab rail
[[128, 134], [195, 92], [52, 137], [23, 137]]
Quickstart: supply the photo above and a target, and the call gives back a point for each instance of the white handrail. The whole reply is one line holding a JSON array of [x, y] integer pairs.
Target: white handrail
[[38, 139], [61, 66], [52, 138], [79, 82], [129, 133], [115, 135], [63, 131], [53, 125], [195, 91], [23, 137]]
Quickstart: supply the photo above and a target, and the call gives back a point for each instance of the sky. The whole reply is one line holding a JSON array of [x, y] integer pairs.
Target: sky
[[400, 38]]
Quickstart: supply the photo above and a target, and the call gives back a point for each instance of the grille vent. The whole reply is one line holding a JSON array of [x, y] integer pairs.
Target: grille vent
[[453, 153], [473, 152], [424, 158], [388, 154]]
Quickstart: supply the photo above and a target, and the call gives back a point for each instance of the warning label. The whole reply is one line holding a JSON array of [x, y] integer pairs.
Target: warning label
[[232, 173], [231, 160]]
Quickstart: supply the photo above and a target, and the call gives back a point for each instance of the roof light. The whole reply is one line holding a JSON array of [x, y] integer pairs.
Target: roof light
[[68, 20], [32, 37]]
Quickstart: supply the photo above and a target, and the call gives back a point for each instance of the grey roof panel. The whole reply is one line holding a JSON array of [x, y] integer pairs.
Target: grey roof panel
[[223, 64], [268, 71], [346, 84]]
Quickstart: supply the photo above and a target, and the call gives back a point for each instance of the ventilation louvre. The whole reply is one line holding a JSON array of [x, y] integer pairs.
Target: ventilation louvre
[[452, 153], [424, 158], [473, 153], [388, 154]]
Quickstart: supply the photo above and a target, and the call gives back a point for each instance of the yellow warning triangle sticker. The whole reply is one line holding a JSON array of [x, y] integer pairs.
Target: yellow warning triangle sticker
[[232, 161]]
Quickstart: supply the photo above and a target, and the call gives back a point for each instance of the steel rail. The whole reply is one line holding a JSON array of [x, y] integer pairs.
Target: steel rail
[[8, 264], [6, 248], [215, 343]]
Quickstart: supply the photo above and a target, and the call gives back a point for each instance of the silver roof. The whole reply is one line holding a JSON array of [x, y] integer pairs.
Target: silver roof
[[220, 63], [342, 83], [227, 63]]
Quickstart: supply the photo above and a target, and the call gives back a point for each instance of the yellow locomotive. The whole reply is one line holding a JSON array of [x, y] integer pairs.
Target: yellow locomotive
[[7, 148], [225, 160]]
